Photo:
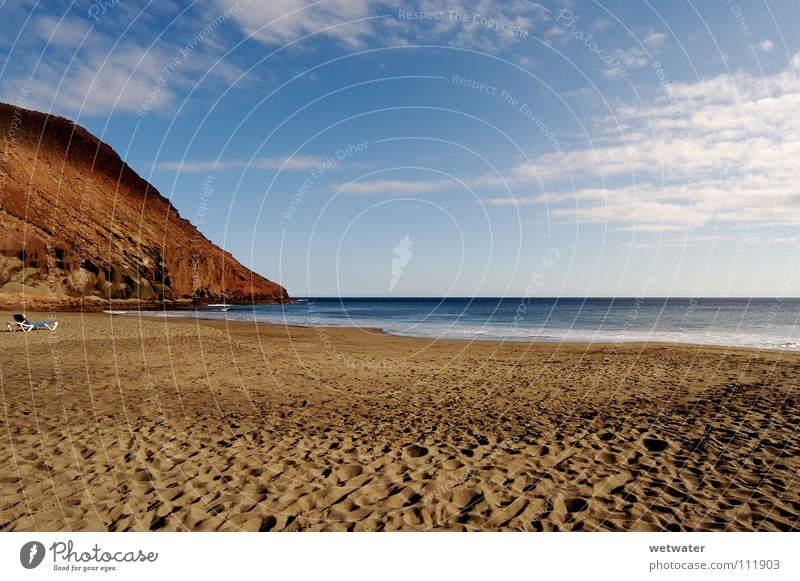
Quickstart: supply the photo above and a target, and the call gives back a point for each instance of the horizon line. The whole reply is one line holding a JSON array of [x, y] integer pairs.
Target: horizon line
[[757, 297]]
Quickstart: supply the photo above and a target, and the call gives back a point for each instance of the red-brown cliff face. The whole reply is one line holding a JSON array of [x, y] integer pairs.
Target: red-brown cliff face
[[76, 221]]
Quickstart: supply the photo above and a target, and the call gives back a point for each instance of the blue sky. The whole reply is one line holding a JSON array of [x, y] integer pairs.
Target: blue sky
[[520, 148]]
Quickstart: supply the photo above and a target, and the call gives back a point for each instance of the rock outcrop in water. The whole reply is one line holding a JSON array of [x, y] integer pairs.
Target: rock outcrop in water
[[76, 222]]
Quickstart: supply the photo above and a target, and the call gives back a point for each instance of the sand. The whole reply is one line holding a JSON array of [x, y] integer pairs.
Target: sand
[[117, 423]]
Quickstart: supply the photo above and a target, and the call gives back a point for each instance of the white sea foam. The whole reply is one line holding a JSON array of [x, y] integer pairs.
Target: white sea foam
[[419, 323]]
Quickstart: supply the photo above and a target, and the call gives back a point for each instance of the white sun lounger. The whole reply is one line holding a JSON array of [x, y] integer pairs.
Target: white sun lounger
[[21, 323]]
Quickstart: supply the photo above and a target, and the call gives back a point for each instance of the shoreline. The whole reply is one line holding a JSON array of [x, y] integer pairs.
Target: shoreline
[[490, 341], [94, 304], [130, 424]]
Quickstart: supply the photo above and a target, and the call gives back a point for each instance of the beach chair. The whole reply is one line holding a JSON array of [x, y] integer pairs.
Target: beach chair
[[21, 323]]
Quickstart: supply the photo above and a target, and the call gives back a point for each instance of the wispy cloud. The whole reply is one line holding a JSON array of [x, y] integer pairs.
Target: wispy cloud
[[766, 45], [681, 241], [633, 58], [100, 82], [723, 149], [601, 24], [282, 21], [62, 32], [265, 163], [654, 40], [70, 66], [395, 187], [514, 201], [688, 239], [637, 57], [357, 23]]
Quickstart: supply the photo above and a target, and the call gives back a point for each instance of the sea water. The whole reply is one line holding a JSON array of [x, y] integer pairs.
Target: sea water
[[762, 322]]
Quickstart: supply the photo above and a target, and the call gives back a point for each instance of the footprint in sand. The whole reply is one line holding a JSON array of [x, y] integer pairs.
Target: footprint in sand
[[574, 505], [267, 524], [415, 451], [655, 444], [350, 471]]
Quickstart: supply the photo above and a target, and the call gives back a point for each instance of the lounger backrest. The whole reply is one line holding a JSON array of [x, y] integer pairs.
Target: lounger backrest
[[20, 318]]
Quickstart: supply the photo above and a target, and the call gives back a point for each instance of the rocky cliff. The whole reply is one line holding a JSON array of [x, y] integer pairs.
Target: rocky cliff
[[76, 221]]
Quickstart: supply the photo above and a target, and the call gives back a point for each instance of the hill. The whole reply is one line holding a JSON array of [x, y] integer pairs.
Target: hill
[[77, 222]]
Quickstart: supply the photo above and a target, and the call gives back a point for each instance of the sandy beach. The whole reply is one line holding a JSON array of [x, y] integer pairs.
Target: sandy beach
[[136, 424]]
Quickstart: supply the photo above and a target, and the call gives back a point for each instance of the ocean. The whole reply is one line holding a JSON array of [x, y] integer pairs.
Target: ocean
[[762, 323]]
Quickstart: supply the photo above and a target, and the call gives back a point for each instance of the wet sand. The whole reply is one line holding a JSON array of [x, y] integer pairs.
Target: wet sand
[[120, 423]]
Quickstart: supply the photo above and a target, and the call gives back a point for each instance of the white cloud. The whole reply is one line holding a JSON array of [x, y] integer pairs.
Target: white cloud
[[100, 82], [273, 163], [766, 45], [392, 187], [655, 40], [90, 71], [660, 208], [601, 24], [680, 241], [514, 201], [355, 23], [281, 21], [63, 33], [660, 228], [723, 149], [633, 58], [732, 88]]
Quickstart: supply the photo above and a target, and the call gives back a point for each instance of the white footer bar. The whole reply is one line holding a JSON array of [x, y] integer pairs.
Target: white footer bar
[[401, 556]]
